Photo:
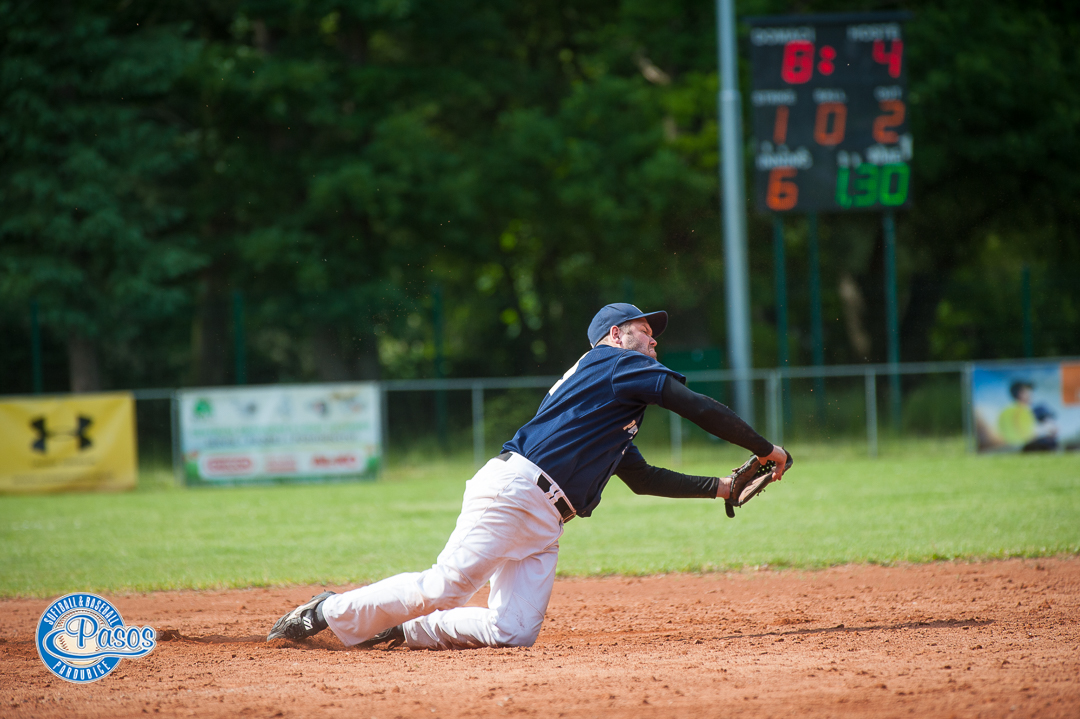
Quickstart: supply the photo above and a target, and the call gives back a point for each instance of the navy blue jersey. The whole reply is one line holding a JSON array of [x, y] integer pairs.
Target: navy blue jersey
[[588, 420]]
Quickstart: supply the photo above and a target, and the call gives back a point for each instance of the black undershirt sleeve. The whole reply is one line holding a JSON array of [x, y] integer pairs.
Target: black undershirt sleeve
[[643, 478], [713, 417]]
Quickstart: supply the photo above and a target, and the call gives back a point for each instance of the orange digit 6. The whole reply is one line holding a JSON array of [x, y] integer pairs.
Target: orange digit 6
[[893, 117], [782, 192]]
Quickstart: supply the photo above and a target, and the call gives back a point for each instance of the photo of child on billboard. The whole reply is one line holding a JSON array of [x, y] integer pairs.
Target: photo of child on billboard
[[1026, 408]]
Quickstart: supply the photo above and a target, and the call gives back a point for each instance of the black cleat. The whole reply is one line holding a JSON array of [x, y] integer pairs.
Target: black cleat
[[394, 635], [303, 622]]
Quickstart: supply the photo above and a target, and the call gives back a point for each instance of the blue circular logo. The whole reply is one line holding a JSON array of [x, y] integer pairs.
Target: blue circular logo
[[81, 638]]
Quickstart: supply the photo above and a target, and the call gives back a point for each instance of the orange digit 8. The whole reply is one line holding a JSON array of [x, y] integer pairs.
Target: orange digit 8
[[893, 117], [782, 192]]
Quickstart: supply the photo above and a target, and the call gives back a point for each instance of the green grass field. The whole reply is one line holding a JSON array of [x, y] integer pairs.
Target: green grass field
[[920, 502]]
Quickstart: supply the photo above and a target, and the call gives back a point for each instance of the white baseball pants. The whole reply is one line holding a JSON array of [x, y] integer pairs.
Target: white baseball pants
[[507, 533]]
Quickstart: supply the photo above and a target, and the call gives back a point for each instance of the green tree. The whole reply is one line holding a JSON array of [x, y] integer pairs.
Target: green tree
[[995, 100], [348, 158], [334, 162], [87, 219]]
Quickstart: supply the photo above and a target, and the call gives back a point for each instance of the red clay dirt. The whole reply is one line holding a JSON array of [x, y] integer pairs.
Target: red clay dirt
[[995, 639]]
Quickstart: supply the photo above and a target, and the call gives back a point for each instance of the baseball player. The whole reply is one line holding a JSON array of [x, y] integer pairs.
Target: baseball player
[[514, 508]]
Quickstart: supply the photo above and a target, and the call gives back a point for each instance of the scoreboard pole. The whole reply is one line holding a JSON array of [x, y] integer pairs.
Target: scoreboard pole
[[782, 355], [892, 325], [780, 276], [817, 334], [736, 267]]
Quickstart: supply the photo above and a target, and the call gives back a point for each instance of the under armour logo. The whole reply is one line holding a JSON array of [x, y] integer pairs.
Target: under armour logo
[[43, 434]]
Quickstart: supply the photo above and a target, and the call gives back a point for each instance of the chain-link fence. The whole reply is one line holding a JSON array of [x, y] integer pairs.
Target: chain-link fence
[[859, 406], [864, 403], [864, 407]]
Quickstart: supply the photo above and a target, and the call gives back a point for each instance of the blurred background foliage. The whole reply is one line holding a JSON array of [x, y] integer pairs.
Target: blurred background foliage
[[339, 165]]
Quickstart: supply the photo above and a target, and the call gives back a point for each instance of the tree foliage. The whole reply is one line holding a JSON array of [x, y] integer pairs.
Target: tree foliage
[[89, 219], [335, 162]]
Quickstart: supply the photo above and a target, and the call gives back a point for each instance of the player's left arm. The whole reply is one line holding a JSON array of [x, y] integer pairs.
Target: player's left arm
[[718, 420], [642, 478]]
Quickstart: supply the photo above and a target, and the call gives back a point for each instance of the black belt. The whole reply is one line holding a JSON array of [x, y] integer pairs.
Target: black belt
[[565, 510]]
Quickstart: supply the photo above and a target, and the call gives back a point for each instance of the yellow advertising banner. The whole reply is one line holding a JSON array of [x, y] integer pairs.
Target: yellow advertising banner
[[74, 443]]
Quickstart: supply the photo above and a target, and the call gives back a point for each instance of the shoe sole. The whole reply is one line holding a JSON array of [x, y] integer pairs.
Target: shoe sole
[[278, 630]]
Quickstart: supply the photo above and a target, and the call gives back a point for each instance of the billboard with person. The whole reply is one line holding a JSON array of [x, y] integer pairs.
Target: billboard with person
[[1026, 407]]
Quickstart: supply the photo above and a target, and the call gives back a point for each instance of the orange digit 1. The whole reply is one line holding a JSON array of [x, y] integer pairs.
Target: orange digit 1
[[893, 117], [779, 132], [837, 113], [783, 193]]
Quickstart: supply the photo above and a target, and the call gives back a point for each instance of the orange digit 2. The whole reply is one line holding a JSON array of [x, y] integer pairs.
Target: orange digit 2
[[837, 113], [893, 117], [783, 193]]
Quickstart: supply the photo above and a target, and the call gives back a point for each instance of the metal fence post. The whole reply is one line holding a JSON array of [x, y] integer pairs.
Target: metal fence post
[[35, 348], [966, 408], [774, 412], [871, 413], [239, 338], [675, 432], [174, 430], [817, 332], [478, 424], [675, 426], [1025, 311], [384, 423]]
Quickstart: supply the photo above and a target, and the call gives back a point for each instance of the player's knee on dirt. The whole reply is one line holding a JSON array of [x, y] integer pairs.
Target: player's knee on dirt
[[518, 624]]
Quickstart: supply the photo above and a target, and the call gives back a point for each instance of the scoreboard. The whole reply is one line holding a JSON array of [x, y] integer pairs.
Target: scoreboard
[[830, 113]]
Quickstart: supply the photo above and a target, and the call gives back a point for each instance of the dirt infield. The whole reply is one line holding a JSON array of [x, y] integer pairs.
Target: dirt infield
[[952, 639]]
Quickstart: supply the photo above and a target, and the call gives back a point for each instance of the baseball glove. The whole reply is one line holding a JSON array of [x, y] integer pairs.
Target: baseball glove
[[749, 480]]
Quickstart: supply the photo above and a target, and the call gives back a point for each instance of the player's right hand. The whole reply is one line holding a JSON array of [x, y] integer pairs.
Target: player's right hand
[[779, 457]]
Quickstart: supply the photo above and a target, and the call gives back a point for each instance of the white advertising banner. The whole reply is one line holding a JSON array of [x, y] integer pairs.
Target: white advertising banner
[[280, 433]]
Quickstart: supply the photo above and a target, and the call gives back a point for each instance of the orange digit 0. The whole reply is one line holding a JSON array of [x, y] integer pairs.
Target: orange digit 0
[[893, 117], [837, 112], [782, 193]]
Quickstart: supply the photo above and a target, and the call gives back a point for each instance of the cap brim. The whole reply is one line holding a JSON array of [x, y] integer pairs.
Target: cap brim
[[657, 321]]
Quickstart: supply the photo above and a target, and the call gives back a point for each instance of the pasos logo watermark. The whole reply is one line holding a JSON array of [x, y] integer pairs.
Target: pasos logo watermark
[[81, 638]]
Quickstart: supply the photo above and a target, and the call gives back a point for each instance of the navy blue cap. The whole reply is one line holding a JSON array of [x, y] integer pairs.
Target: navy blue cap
[[619, 312]]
